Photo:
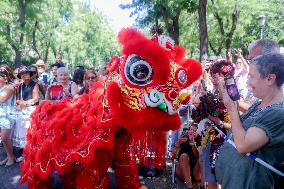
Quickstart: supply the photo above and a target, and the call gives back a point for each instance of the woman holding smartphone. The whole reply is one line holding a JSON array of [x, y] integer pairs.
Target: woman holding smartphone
[[259, 131]]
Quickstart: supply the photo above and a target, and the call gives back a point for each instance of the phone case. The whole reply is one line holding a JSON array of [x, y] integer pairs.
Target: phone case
[[232, 88], [56, 90]]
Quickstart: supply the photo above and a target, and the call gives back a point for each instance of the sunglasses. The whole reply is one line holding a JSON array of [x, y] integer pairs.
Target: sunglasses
[[91, 78]]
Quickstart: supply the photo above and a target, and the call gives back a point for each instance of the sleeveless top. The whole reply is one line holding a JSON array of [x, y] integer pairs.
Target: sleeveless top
[[3, 92], [7, 110], [26, 91]]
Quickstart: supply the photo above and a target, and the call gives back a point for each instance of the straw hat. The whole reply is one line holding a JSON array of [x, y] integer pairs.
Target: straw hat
[[40, 63]]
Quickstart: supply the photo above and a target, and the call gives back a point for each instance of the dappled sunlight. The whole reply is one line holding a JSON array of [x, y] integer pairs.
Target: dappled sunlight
[[15, 180]]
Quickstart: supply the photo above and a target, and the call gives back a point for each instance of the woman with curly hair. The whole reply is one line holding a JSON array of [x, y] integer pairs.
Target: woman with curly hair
[[209, 112]]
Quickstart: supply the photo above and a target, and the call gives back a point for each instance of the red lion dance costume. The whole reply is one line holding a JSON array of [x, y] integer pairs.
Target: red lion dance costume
[[112, 125]]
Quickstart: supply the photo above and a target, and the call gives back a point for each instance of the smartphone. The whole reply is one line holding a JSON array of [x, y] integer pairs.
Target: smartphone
[[232, 88], [44, 79]]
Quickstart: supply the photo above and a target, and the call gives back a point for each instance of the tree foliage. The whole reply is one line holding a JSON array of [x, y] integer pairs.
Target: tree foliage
[[230, 23], [32, 29], [150, 12]]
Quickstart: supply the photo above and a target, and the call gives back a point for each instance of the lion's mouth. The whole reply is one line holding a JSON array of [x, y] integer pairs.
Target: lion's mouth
[[156, 99]]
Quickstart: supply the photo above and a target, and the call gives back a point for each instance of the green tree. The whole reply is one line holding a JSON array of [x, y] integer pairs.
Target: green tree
[[86, 39], [150, 12], [33, 29], [233, 24]]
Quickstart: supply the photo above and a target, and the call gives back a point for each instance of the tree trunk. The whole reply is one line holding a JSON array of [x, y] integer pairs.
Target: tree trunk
[[172, 24], [203, 35], [18, 56], [34, 39], [228, 36], [22, 23], [46, 51], [175, 28]]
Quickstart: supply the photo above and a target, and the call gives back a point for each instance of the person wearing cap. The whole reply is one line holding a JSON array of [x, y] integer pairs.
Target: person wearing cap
[[6, 109], [27, 99]]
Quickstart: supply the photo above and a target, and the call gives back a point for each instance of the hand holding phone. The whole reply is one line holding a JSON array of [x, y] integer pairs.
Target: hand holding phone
[[44, 79], [232, 88]]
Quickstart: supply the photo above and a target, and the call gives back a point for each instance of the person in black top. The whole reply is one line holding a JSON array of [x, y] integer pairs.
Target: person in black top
[[188, 167], [28, 91], [27, 99], [58, 60], [42, 88]]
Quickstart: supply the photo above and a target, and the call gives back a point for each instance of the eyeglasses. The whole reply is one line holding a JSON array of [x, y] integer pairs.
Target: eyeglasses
[[91, 78]]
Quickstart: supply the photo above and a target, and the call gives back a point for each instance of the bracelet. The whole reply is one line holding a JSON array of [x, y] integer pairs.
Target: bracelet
[[177, 146], [193, 143]]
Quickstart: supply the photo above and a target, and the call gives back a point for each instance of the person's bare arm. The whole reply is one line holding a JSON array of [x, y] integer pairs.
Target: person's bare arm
[[10, 92], [244, 62], [217, 121], [47, 94], [246, 140], [243, 106], [176, 148], [74, 89], [229, 57]]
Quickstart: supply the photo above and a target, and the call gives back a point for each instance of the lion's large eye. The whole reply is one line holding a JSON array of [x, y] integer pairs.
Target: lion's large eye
[[137, 70], [181, 77]]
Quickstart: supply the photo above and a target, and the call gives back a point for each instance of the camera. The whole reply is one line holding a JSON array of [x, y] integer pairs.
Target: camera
[[185, 132]]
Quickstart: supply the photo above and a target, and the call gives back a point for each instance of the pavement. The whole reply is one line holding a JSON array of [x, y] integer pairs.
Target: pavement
[[10, 176]]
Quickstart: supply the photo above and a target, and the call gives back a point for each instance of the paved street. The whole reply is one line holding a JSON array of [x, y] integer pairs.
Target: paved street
[[9, 177]]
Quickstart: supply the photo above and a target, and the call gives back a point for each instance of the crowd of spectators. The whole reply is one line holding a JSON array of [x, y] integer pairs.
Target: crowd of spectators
[[254, 123], [24, 88]]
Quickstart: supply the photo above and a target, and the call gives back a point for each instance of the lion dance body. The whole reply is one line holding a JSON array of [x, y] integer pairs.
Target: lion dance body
[[113, 125]]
